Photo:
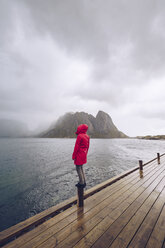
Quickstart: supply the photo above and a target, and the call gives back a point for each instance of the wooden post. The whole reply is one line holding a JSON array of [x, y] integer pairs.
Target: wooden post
[[80, 200], [158, 157], [141, 168], [140, 165]]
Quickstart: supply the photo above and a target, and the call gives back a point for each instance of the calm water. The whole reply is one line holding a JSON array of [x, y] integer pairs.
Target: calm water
[[36, 174]]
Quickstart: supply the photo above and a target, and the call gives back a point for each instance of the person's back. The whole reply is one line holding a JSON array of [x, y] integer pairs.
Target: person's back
[[84, 140]]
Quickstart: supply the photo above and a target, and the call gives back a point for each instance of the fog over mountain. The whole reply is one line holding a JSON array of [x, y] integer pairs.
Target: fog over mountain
[[100, 126], [13, 129], [58, 56]]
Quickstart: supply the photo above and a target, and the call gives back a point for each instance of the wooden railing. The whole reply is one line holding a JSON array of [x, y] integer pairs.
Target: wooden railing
[[80, 191]]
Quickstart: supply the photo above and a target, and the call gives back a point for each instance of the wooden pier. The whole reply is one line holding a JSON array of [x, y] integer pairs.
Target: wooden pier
[[125, 211]]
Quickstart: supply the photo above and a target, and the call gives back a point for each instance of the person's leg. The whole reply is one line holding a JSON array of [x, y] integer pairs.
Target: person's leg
[[80, 174], [83, 175]]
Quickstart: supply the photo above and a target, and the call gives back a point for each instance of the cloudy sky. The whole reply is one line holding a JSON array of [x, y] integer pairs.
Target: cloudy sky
[[59, 56]]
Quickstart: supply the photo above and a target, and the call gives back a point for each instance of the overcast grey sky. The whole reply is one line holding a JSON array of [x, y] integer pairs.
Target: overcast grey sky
[[59, 56]]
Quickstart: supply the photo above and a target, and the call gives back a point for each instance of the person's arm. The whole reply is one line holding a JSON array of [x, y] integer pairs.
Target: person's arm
[[88, 144], [76, 147]]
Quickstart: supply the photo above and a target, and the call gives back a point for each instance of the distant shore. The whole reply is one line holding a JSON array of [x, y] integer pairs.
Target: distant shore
[[150, 137]]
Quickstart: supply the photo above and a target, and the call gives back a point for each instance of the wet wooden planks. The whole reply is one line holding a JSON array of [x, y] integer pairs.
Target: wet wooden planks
[[128, 213], [24, 226]]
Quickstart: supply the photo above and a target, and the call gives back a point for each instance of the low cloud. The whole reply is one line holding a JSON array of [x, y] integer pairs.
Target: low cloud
[[60, 56]]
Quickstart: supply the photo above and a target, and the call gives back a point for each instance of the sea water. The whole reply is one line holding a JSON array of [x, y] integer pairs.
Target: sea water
[[36, 173]]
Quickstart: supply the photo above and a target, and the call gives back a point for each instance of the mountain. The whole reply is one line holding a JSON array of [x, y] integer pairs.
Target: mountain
[[12, 128], [100, 126]]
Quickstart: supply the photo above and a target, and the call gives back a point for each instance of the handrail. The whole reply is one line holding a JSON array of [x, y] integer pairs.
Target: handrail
[[153, 159]]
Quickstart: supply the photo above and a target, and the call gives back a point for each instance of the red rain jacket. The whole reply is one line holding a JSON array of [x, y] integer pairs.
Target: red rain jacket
[[81, 146]]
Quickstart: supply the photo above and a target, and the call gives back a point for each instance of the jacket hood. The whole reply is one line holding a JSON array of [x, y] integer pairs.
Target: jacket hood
[[82, 129]]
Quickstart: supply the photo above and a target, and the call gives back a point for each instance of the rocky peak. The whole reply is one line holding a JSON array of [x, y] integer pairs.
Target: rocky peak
[[102, 114], [104, 122], [100, 126]]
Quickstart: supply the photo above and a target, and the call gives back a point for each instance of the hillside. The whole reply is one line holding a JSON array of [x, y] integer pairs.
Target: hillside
[[100, 126]]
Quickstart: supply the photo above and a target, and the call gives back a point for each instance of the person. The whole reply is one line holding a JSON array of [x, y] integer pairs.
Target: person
[[80, 153]]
